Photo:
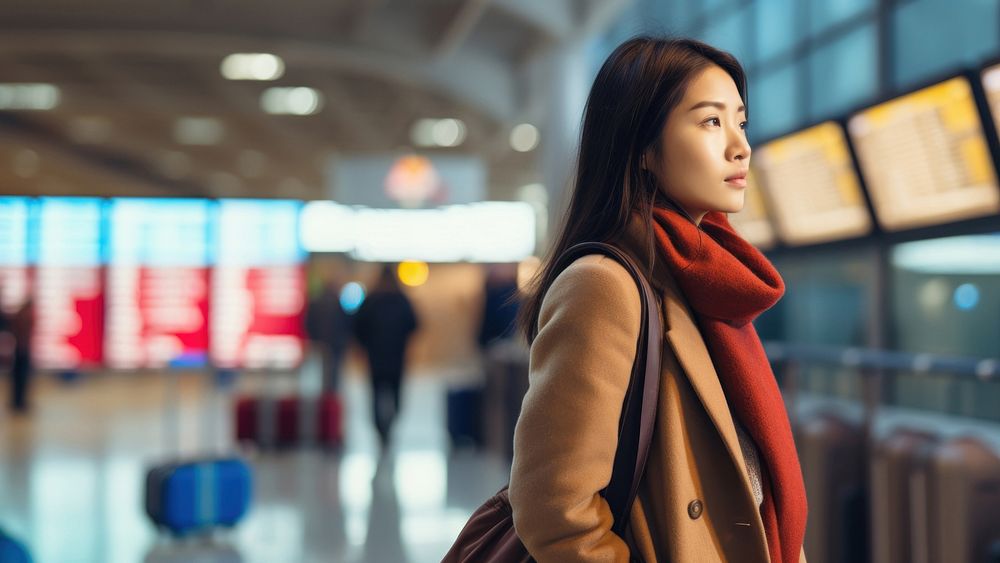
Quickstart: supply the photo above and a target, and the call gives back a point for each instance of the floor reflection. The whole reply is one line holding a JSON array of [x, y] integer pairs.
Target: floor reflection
[[383, 541], [71, 479]]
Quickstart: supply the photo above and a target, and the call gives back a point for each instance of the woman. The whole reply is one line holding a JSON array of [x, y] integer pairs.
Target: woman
[[664, 136]]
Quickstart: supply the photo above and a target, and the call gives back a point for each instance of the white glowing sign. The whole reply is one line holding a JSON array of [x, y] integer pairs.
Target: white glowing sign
[[478, 232]]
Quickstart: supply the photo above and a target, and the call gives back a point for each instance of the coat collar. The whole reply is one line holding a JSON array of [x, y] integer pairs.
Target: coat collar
[[682, 333]]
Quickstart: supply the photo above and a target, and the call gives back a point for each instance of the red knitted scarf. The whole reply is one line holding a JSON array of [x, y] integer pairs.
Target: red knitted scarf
[[728, 283]]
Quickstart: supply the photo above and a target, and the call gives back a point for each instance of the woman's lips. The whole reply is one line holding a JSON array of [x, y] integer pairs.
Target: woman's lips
[[741, 182]]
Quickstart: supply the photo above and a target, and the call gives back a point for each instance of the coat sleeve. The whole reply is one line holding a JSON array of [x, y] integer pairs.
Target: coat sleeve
[[567, 432]]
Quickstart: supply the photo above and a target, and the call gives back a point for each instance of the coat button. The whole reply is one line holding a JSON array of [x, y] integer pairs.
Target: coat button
[[695, 509]]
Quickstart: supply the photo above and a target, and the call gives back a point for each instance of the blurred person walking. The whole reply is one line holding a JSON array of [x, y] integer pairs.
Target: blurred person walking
[[383, 326], [499, 307], [21, 326], [329, 328]]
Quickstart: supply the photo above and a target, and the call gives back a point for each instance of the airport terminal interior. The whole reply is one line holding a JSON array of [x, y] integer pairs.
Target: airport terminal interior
[[260, 264]]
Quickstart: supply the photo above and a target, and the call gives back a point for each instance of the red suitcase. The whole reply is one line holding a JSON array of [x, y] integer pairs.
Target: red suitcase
[[290, 420]]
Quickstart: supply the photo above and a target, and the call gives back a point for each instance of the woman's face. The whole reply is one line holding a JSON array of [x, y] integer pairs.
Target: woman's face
[[701, 145]]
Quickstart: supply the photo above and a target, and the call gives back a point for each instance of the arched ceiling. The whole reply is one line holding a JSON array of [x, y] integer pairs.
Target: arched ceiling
[[128, 70]]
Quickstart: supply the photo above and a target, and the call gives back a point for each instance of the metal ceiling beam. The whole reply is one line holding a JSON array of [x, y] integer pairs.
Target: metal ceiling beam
[[460, 26], [554, 17], [349, 117], [473, 78], [100, 161]]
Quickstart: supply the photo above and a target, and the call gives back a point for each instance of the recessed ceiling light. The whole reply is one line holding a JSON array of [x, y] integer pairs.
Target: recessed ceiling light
[[291, 101], [446, 132], [252, 66], [422, 132], [30, 96], [524, 137], [198, 130]]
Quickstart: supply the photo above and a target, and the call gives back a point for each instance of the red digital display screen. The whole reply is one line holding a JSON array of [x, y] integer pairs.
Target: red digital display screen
[[258, 285], [67, 282], [158, 283]]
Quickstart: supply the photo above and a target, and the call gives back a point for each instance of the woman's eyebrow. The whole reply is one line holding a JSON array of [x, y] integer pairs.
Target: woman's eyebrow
[[719, 105]]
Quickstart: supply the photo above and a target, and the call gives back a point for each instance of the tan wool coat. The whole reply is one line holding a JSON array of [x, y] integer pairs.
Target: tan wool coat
[[695, 501]]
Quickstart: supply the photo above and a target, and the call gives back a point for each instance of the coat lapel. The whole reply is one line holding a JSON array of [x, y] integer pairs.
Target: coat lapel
[[684, 337]]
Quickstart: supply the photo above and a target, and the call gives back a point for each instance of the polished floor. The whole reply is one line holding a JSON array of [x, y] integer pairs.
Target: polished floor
[[71, 476]]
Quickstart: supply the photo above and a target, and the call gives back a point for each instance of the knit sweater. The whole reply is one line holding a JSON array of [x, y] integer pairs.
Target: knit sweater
[[752, 459]]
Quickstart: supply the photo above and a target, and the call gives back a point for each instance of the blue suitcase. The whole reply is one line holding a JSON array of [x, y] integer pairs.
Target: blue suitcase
[[12, 551], [198, 495], [464, 416]]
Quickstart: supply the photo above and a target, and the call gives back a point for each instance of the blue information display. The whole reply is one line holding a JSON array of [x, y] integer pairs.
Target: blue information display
[[258, 232], [68, 284], [159, 232], [14, 228], [158, 275]]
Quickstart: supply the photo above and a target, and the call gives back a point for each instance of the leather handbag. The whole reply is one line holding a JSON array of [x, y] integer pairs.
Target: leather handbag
[[489, 535]]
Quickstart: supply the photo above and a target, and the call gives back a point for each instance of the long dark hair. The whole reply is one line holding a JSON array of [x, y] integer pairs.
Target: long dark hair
[[638, 85]]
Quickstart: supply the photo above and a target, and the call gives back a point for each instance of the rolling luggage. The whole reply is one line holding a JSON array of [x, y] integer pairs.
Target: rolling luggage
[[465, 419], [832, 453], [963, 508], [199, 494], [290, 420], [898, 497], [12, 551], [190, 496]]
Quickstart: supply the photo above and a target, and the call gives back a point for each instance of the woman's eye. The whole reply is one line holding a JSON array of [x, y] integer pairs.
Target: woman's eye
[[743, 125]]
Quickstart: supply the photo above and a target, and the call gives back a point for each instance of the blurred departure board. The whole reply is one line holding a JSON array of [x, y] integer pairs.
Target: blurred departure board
[[68, 282], [752, 222], [812, 187], [158, 276], [258, 285], [924, 157], [991, 85], [14, 267]]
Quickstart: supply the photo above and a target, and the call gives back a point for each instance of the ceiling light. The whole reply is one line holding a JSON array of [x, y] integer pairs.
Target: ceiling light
[[448, 132], [89, 129], [198, 130], [524, 137], [422, 132], [34, 96], [291, 101], [252, 66]]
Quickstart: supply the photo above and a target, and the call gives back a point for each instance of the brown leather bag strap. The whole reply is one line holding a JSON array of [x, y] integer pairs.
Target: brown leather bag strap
[[635, 427]]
